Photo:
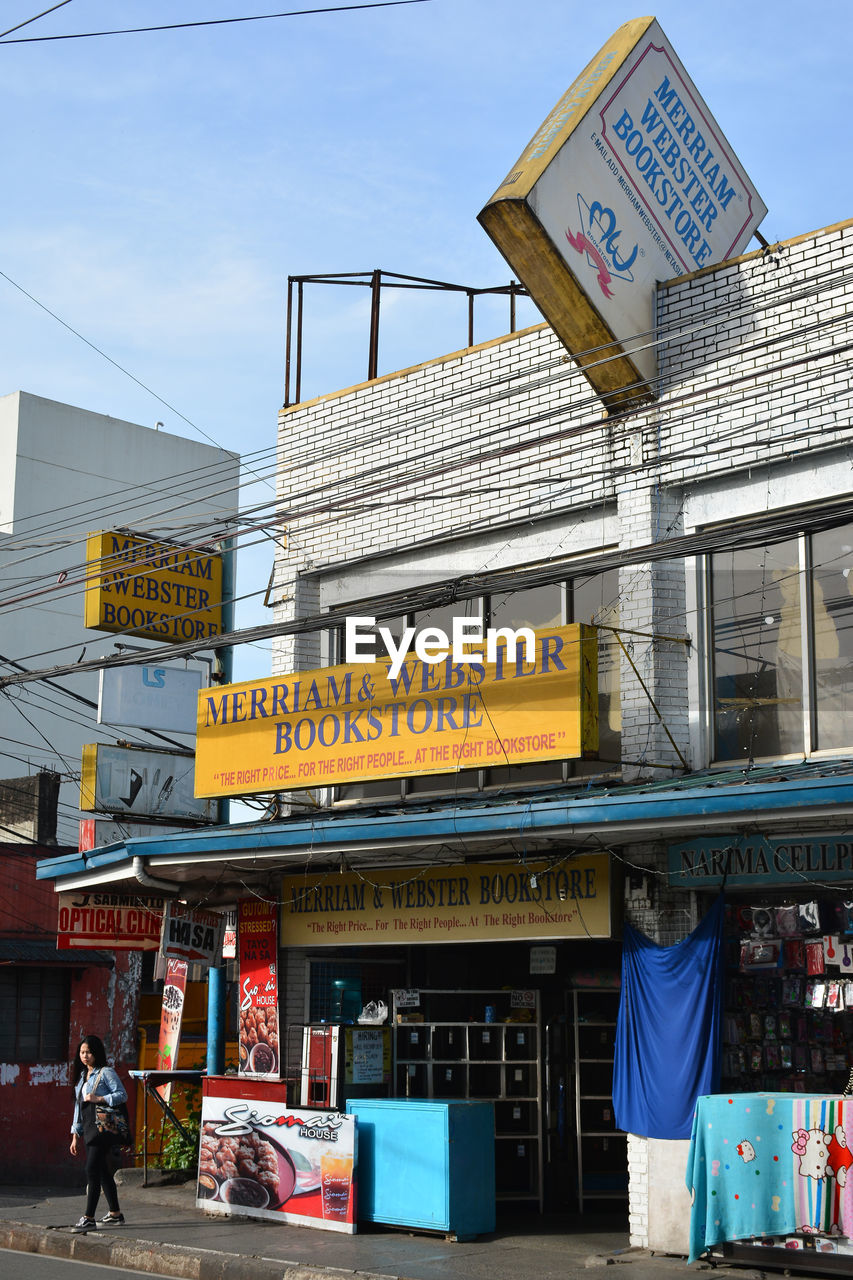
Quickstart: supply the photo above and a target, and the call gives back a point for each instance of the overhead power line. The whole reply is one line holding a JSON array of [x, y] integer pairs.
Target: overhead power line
[[209, 22], [348, 491], [99, 352], [340, 508], [493, 390], [747, 533], [35, 18]]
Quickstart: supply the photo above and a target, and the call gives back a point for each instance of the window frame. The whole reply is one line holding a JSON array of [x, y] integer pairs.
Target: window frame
[[708, 675], [486, 782], [47, 1018]]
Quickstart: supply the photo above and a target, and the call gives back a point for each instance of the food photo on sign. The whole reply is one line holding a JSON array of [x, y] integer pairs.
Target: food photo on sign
[[257, 945], [263, 1160]]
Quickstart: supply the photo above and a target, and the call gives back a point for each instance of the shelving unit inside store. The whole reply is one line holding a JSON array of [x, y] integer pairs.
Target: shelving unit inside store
[[484, 1046], [602, 1156]]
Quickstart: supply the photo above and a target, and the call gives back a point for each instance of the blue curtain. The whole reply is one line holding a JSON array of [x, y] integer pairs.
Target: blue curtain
[[668, 1033]]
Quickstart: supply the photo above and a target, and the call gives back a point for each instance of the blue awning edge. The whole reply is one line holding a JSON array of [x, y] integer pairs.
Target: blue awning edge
[[597, 815]]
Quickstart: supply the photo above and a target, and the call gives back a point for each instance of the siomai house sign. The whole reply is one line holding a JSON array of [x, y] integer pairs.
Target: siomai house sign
[[629, 181]]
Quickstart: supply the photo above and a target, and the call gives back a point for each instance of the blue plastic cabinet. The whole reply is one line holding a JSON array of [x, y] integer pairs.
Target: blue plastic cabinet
[[428, 1165]]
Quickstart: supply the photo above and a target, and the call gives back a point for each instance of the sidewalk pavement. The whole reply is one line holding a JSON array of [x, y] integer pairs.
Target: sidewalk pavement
[[167, 1235]]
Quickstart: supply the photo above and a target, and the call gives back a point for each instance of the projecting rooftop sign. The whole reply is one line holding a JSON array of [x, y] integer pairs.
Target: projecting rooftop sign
[[628, 182]]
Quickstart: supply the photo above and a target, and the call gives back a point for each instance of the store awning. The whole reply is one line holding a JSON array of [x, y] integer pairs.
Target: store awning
[[212, 862], [44, 954]]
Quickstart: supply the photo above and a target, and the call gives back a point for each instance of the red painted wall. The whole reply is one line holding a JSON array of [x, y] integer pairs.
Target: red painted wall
[[27, 906], [36, 1103]]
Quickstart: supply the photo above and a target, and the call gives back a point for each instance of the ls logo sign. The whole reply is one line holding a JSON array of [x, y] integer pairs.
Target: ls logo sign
[[599, 239]]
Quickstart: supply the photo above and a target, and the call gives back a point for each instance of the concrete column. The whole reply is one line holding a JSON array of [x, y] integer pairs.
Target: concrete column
[[652, 600]]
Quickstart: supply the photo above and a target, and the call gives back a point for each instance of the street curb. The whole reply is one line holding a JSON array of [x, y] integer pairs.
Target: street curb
[[176, 1260]]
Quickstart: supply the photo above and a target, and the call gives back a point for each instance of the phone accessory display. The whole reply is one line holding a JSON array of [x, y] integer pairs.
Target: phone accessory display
[[814, 957], [809, 917], [787, 921]]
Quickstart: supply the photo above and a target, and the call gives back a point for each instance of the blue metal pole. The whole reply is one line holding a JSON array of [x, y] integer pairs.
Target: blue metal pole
[[216, 1021]]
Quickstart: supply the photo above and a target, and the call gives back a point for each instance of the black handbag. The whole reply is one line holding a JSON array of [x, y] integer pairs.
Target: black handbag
[[106, 1126], [113, 1124]]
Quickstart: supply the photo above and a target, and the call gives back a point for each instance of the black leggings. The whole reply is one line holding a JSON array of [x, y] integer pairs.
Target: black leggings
[[99, 1173]]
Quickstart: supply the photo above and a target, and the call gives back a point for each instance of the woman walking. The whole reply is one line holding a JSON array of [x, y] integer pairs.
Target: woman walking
[[94, 1082]]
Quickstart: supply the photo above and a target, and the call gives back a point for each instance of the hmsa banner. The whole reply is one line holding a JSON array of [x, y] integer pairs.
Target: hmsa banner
[[363, 721]]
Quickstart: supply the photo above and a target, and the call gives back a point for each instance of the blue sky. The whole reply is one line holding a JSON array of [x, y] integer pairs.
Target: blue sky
[[159, 188]]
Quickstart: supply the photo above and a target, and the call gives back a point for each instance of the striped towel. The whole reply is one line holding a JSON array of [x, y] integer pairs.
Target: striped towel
[[822, 1161]]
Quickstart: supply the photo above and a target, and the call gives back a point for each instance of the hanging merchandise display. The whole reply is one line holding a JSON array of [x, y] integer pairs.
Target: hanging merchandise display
[[788, 1023]]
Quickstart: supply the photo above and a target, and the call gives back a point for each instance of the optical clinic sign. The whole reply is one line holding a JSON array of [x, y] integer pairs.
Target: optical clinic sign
[[109, 921], [477, 902], [629, 181], [152, 589], [358, 722]]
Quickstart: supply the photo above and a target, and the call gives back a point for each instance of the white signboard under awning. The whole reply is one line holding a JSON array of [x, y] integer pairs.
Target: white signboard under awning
[[109, 921], [94, 833], [193, 935], [150, 697]]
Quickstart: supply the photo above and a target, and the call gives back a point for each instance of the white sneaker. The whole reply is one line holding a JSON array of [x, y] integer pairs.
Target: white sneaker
[[85, 1224]]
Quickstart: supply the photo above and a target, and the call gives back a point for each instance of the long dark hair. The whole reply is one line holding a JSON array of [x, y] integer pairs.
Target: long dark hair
[[96, 1047]]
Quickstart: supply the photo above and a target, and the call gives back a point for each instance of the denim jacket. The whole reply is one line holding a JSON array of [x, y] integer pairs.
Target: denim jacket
[[106, 1084]]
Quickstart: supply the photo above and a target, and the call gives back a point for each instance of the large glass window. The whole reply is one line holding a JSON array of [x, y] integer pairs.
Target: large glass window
[[444, 784], [596, 600], [782, 639], [832, 585], [535, 607], [592, 600]]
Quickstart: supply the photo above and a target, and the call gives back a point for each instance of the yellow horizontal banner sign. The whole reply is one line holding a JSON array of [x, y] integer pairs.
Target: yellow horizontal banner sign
[[475, 902], [152, 589], [357, 722]]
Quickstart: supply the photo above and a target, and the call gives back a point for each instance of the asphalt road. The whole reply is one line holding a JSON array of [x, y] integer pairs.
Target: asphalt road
[[34, 1266]]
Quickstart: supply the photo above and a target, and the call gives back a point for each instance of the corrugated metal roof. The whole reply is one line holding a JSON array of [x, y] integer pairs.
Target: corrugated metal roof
[[44, 952], [782, 796]]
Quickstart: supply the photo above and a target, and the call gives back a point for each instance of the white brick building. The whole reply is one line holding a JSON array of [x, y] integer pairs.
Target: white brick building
[[496, 467], [709, 537]]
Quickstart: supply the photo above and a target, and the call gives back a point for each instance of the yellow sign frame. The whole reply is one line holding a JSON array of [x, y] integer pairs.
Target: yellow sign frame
[[474, 902], [353, 723], [151, 589], [604, 203]]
